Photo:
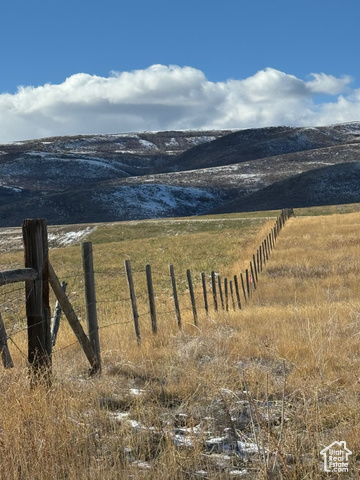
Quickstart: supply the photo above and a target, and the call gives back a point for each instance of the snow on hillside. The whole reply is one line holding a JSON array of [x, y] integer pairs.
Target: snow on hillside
[[95, 178], [147, 201]]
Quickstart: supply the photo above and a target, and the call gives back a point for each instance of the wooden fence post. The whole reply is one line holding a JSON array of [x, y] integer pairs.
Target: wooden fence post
[[243, 286], [5, 353], [90, 300], [263, 253], [73, 320], [255, 268], [221, 293], [252, 275], [271, 246], [151, 298], [56, 319], [176, 300], [226, 289], [203, 279], [232, 294], [213, 284], [247, 282], [133, 300], [192, 296], [237, 291], [266, 250], [37, 301]]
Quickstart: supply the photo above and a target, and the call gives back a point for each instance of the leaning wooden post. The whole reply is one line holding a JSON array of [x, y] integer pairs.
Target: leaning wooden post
[[37, 301], [5, 353], [192, 296], [203, 279], [90, 301], [175, 295], [133, 300], [213, 284], [151, 298], [73, 320]]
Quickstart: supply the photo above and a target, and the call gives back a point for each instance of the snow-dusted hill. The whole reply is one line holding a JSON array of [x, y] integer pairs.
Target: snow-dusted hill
[[98, 178]]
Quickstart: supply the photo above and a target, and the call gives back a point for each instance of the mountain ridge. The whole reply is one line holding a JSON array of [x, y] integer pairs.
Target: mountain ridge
[[94, 178]]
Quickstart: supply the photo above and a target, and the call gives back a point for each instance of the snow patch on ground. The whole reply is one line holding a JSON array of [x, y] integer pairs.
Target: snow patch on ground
[[12, 240], [62, 239]]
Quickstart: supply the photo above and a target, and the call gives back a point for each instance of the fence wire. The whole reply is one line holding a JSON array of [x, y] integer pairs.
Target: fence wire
[[13, 299]]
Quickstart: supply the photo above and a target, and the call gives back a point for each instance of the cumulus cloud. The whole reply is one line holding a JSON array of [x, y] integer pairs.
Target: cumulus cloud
[[328, 84], [172, 98]]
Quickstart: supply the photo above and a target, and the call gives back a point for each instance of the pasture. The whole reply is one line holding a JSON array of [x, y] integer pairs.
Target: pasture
[[254, 394]]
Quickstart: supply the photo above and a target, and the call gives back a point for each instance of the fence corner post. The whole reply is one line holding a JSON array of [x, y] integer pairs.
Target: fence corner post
[[37, 301]]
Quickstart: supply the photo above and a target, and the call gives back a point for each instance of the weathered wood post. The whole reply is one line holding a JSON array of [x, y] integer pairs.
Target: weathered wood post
[[37, 301], [192, 296], [252, 276], [133, 300], [255, 268], [175, 295], [90, 301], [226, 291], [151, 298], [237, 291], [4, 349], [213, 284], [203, 280], [243, 286], [73, 319], [247, 282], [221, 292], [232, 294]]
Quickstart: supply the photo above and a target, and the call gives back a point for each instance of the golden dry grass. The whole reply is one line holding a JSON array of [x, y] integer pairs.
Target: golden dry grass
[[292, 356]]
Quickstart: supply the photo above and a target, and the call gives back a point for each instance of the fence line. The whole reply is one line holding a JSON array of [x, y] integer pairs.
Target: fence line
[[214, 293]]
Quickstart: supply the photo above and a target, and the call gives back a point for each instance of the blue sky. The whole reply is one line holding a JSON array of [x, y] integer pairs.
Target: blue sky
[[104, 67]]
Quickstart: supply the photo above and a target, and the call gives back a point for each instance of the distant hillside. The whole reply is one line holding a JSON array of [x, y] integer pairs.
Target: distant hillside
[[94, 178], [248, 145], [337, 184]]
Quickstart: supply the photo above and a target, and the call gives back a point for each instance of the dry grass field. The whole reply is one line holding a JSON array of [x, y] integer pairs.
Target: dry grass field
[[253, 394]]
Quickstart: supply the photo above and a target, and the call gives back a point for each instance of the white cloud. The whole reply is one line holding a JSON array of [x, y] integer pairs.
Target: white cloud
[[328, 84], [172, 97]]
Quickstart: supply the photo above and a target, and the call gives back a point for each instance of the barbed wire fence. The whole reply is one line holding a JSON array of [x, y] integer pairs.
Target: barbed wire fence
[[141, 302]]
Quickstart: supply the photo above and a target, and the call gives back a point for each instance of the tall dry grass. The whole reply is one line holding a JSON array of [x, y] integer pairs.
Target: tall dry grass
[[290, 360]]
